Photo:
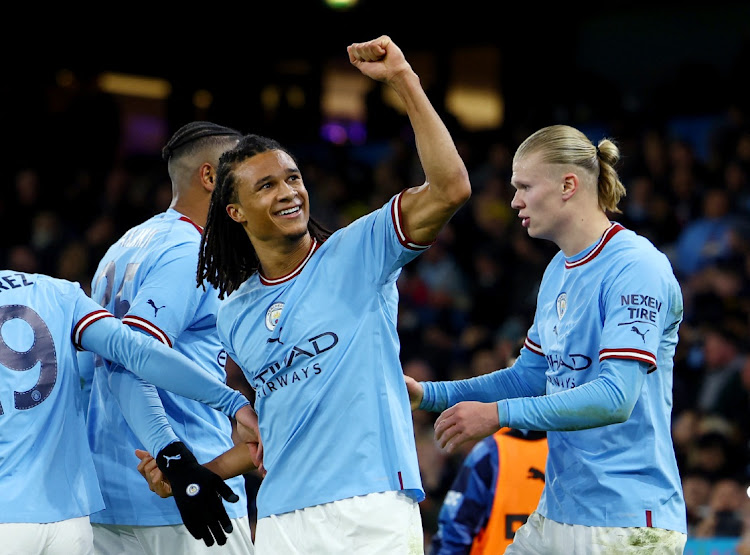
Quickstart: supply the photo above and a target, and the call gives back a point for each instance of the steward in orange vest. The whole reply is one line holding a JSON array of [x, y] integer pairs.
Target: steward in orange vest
[[497, 488]]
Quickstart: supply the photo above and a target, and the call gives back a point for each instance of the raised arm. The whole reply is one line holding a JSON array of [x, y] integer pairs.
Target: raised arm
[[427, 208]]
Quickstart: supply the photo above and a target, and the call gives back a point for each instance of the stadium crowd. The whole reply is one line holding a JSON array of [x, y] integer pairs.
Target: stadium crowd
[[466, 302]]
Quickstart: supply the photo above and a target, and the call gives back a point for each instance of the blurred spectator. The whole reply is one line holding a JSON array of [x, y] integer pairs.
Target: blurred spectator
[[496, 489], [696, 488], [22, 203], [722, 361], [723, 518], [705, 240], [715, 454], [22, 258]]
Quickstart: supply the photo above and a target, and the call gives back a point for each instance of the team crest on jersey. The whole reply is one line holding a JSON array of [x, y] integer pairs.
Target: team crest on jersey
[[273, 314], [562, 304]]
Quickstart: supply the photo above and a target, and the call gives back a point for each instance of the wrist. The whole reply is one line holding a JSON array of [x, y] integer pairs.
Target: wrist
[[173, 456], [503, 415]]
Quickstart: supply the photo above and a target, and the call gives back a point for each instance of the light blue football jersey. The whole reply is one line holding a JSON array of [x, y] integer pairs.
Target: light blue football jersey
[[147, 278], [618, 300], [612, 311], [46, 469], [321, 350]]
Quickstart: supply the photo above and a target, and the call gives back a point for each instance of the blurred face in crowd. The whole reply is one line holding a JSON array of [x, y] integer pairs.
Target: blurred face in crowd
[[272, 202]]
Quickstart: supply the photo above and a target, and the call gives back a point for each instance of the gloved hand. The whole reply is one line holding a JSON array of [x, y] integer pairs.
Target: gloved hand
[[198, 493]]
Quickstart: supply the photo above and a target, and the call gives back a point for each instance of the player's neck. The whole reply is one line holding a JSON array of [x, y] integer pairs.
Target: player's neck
[[193, 210], [278, 260], [582, 233]]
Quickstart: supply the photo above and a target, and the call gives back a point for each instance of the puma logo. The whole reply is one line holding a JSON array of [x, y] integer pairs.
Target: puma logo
[[172, 458], [156, 308], [535, 474], [643, 335], [276, 339]]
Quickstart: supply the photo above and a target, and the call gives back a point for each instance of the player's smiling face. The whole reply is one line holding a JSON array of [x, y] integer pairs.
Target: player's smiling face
[[271, 197], [538, 196]]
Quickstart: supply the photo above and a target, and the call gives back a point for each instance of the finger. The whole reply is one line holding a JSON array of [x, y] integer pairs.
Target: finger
[[445, 415], [208, 538], [155, 475], [225, 521], [446, 436], [141, 454], [218, 533], [442, 427], [201, 532], [226, 492]]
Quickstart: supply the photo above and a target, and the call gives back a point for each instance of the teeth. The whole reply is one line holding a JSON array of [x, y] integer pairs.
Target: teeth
[[289, 211]]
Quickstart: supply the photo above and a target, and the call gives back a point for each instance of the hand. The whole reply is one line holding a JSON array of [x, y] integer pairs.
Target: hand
[[379, 59], [416, 392], [198, 493], [249, 433], [247, 425], [466, 421], [153, 476]]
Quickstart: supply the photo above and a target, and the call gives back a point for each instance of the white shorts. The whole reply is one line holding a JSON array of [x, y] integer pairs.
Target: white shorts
[[160, 540], [67, 537], [543, 536], [379, 523]]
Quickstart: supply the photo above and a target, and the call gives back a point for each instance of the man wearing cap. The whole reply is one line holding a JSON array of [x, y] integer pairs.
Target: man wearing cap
[[148, 279]]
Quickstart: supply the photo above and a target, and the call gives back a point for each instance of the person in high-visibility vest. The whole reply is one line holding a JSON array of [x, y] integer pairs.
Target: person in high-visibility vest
[[494, 492]]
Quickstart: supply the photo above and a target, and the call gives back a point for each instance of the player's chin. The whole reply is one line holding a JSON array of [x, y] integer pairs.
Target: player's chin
[[297, 231]]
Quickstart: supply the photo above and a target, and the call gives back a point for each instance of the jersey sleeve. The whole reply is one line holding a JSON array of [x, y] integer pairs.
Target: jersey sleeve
[[525, 378], [636, 306], [142, 409], [159, 365], [607, 399], [378, 243]]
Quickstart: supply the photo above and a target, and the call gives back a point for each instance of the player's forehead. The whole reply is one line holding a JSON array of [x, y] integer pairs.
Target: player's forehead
[[266, 165]]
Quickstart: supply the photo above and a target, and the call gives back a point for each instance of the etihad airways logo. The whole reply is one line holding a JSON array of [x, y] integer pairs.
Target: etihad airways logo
[[280, 374]]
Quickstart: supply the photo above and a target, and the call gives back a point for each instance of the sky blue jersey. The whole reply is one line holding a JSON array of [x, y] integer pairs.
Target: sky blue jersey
[[320, 348], [46, 470], [147, 279], [605, 329]]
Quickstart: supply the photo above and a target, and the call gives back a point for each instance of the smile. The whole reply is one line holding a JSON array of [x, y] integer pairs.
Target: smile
[[289, 211]]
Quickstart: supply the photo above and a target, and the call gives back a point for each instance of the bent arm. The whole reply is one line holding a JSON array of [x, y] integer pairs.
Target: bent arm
[[142, 409], [234, 462], [526, 378], [159, 365], [426, 209], [608, 399]]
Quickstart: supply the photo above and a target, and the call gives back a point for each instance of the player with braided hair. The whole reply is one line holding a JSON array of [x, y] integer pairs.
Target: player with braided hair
[[310, 317]]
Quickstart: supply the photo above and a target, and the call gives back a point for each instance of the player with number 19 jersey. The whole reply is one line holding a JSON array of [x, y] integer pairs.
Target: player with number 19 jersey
[[147, 278], [46, 470]]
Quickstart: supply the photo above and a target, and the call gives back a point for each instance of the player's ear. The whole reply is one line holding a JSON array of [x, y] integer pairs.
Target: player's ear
[[208, 176], [570, 184], [236, 213]]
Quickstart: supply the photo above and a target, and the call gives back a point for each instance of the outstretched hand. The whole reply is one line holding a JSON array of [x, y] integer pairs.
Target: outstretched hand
[[466, 421], [379, 59], [416, 392]]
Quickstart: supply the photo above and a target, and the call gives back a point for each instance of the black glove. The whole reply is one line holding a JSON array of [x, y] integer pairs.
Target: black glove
[[198, 493]]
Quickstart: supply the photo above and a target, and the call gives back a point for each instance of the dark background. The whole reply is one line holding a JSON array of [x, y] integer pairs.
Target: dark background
[[608, 56]]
